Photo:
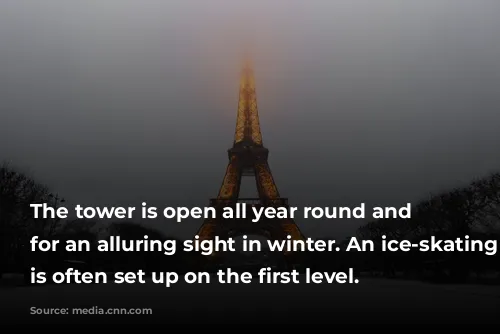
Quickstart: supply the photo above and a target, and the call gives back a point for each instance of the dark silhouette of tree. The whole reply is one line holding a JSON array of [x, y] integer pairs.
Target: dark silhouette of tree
[[17, 223], [472, 210], [489, 187]]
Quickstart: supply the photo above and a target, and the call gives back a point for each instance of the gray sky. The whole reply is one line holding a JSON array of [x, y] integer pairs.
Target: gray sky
[[115, 102]]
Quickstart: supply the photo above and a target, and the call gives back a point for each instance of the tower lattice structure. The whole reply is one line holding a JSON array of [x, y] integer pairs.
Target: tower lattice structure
[[249, 158]]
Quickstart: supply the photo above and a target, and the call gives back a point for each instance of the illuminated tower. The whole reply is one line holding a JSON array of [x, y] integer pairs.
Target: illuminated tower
[[248, 157]]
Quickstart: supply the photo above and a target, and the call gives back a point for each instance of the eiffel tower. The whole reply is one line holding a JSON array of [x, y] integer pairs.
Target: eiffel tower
[[249, 158]]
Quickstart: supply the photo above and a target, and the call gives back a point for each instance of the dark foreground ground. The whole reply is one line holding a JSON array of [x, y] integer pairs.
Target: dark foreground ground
[[370, 301]]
